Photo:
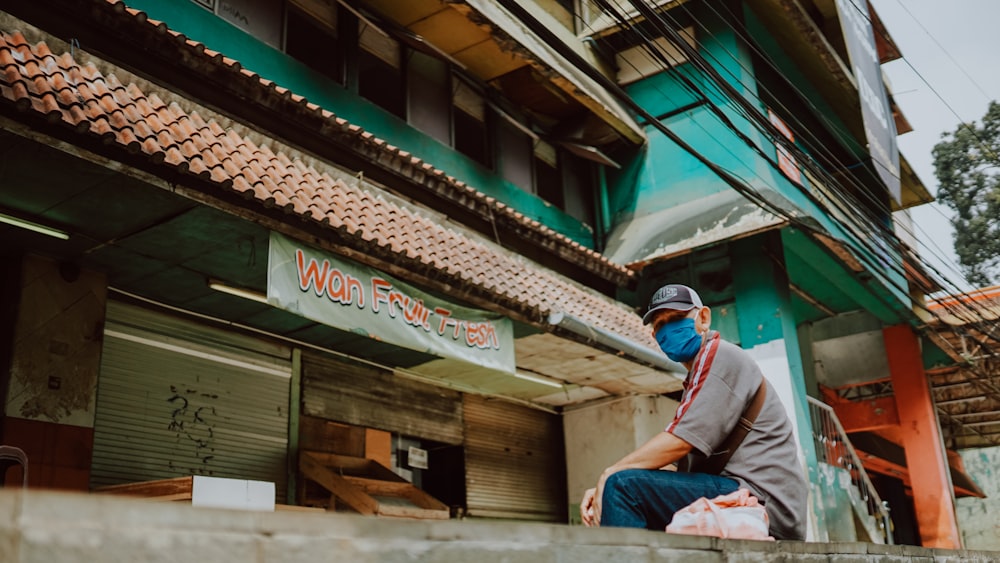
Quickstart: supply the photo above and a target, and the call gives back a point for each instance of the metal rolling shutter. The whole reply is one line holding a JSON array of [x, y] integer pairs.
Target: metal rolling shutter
[[365, 396], [514, 462], [176, 398]]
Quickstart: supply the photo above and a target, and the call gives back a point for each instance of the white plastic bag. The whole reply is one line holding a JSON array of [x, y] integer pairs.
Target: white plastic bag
[[737, 515]]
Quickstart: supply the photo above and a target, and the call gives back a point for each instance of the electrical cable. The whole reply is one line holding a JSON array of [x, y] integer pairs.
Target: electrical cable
[[992, 390], [943, 50], [801, 127], [981, 142], [621, 22], [779, 212], [882, 226]]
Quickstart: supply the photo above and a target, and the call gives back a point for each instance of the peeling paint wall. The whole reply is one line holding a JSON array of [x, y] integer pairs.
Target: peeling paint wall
[[57, 343], [979, 518]]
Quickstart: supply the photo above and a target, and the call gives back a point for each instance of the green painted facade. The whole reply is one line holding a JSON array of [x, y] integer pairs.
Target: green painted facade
[[215, 33], [661, 175], [657, 176]]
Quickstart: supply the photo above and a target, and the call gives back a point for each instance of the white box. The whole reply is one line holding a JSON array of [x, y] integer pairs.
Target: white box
[[217, 492]]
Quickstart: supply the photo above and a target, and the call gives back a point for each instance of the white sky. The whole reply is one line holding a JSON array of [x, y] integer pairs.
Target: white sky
[[943, 42]]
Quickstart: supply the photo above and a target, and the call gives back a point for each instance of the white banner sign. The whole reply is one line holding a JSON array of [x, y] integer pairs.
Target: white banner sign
[[355, 298]]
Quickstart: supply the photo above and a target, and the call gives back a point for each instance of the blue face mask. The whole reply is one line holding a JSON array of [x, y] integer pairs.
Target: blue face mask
[[679, 340]]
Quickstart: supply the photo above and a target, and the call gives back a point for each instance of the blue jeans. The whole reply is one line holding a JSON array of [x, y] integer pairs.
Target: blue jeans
[[648, 498]]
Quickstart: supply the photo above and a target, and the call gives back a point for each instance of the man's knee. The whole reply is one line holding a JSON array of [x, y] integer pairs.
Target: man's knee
[[622, 482]]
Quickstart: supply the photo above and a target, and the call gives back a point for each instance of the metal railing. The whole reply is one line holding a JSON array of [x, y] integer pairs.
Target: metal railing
[[834, 448]]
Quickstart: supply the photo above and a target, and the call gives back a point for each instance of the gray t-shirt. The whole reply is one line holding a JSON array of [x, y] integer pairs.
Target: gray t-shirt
[[722, 382]]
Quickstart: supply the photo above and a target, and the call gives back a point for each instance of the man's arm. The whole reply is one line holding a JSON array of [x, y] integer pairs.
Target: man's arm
[[660, 451]]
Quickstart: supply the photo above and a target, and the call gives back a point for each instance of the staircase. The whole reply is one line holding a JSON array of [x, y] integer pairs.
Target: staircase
[[833, 448]]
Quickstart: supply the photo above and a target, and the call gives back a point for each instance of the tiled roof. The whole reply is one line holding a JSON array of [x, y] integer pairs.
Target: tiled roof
[[153, 36], [131, 121]]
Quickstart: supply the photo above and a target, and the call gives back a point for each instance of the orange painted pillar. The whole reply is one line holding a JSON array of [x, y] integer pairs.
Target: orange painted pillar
[[926, 460]]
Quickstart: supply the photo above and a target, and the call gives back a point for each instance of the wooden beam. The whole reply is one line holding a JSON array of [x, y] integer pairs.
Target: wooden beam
[[358, 466], [358, 500], [413, 512], [869, 414], [359, 489], [377, 487], [378, 446], [178, 488]]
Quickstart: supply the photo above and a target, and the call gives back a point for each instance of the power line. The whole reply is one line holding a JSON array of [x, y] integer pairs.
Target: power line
[[989, 389], [814, 143], [715, 79], [879, 228], [962, 123], [944, 51]]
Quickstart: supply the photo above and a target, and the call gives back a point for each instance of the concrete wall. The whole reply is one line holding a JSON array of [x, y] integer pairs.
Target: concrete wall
[[600, 435], [47, 527], [55, 360], [979, 518]]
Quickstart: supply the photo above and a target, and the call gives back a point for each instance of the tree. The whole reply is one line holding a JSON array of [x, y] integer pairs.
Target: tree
[[967, 166]]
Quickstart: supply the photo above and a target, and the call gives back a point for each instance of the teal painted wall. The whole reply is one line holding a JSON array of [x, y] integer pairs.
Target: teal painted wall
[[836, 128], [661, 175], [200, 25]]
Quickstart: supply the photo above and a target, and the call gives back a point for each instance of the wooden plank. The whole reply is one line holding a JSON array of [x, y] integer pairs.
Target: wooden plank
[[317, 434], [378, 446], [352, 464], [412, 512], [355, 466], [294, 508], [377, 487], [424, 500], [160, 488], [359, 501], [178, 496]]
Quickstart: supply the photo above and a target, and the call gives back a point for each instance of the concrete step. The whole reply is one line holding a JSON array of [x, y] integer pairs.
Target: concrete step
[[54, 527]]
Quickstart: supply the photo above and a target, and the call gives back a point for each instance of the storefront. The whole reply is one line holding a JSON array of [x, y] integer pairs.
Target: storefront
[[176, 397]]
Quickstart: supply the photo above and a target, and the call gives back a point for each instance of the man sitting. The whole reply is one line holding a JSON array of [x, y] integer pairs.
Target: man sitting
[[722, 380]]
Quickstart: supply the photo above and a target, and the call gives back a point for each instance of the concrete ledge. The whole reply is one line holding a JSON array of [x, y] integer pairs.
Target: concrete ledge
[[53, 527]]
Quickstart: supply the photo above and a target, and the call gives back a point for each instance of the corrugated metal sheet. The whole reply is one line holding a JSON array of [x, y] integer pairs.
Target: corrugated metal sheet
[[514, 462], [364, 396], [170, 404]]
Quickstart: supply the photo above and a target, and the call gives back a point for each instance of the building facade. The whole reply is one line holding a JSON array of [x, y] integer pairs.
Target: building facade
[[419, 232]]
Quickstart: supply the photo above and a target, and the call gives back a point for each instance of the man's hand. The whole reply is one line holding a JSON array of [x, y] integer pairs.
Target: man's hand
[[661, 450], [590, 508]]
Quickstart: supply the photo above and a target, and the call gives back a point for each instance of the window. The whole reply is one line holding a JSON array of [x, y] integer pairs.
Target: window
[[470, 131], [379, 77], [515, 154], [579, 179], [429, 95], [548, 179], [636, 63], [421, 88], [314, 41]]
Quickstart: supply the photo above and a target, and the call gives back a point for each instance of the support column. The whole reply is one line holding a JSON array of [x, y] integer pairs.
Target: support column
[[933, 494], [768, 332]]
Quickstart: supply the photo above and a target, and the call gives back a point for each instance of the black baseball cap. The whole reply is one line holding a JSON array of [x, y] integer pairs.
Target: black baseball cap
[[672, 296]]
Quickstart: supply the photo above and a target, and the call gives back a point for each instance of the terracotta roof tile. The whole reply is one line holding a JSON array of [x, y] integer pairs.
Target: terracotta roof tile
[[140, 121]]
